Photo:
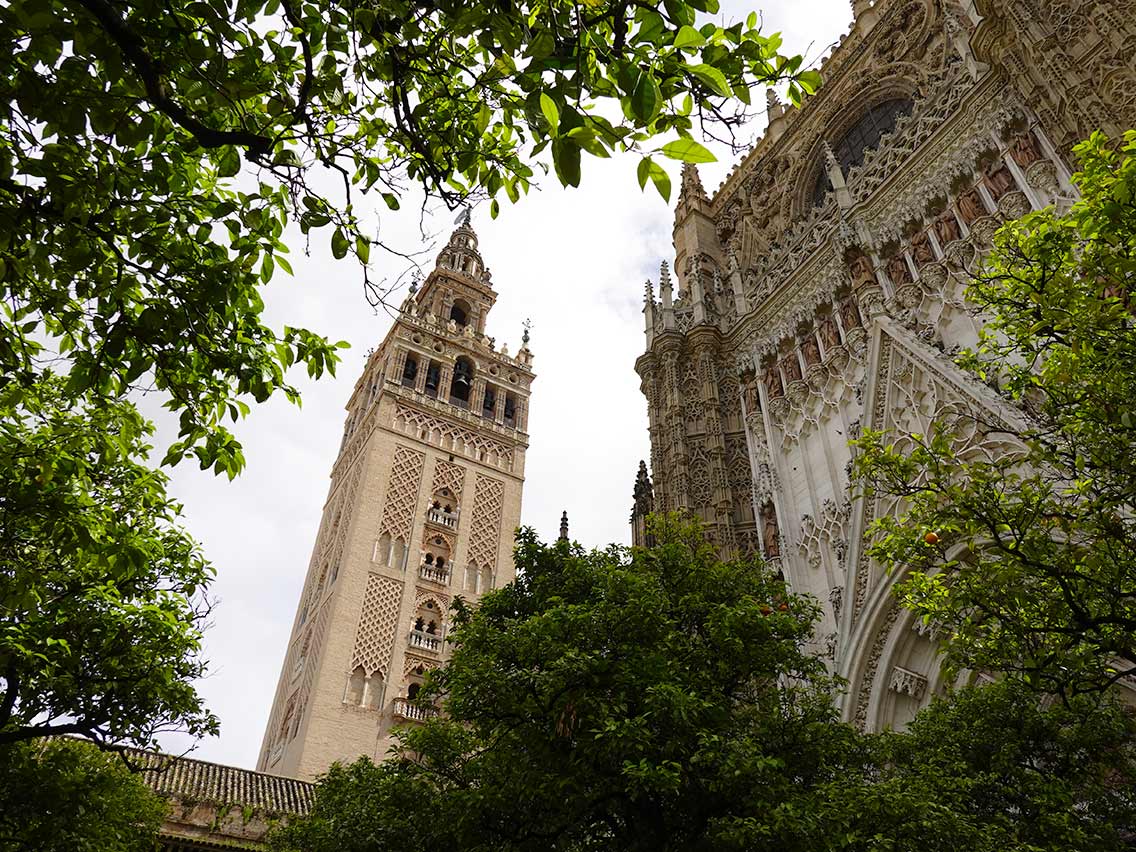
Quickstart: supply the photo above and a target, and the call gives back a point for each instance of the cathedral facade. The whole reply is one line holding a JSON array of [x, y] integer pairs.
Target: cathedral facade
[[424, 499], [819, 292]]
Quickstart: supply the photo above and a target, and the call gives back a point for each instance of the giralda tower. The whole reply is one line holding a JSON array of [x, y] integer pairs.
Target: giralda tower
[[424, 499]]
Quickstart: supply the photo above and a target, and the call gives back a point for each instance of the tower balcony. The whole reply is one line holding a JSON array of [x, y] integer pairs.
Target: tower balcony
[[434, 574], [442, 518], [425, 641], [404, 708]]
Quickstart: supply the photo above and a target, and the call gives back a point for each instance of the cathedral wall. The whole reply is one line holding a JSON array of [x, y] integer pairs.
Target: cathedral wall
[[834, 281]]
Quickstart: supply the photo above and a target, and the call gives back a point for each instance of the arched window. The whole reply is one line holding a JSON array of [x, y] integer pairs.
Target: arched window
[[433, 378], [410, 371], [863, 137], [489, 403], [412, 691], [355, 686], [463, 381], [383, 549], [459, 313]]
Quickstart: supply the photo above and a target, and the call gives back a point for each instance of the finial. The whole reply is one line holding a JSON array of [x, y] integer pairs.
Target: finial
[[829, 156], [414, 283], [664, 276], [527, 326], [564, 526], [464, 217], [649, 292], [691, 182]]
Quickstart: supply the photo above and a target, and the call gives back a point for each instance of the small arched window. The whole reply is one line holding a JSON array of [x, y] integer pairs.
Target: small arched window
[[410, 371], [463, 381], [863, 137], [412, 691], [355, 686], [459, 313]]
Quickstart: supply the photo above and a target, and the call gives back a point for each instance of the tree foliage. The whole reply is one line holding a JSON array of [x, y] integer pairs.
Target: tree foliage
[[101, 595], [66, 796], [1027, 556], [153, 154], [992, 769], [661, 699], [608, 700]]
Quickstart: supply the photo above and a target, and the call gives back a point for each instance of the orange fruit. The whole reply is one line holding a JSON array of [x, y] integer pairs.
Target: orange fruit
[[931, 538]]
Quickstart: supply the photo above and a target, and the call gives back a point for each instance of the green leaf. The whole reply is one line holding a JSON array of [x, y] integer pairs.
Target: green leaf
[[650, 170], [566, 160], [391, 200], [646, 99], [712, 78], [230, 162], [550, 112], [339, 244], [689, 37], [688, 151]]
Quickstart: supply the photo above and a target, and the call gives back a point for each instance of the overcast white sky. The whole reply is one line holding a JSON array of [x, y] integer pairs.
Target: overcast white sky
[[574, 261]]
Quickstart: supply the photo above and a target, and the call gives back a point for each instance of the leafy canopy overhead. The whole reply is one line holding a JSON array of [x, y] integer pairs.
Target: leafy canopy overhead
[[153, 154], [101, 596], [1033, 564]]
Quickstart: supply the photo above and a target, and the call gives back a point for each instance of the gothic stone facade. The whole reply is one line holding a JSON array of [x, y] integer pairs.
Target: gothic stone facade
[[425, 497], [820, 291]]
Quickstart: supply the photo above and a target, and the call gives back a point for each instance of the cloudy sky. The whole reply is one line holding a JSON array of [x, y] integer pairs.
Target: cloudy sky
[[574, 262]]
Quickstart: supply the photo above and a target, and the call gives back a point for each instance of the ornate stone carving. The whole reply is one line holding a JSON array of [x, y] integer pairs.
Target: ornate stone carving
[[1042, 176], [1014, 205], [1024, 150], [921, 250], [770, 536], [947, 228], [897, 270], [998, 180], [970, 206], [906, 682]]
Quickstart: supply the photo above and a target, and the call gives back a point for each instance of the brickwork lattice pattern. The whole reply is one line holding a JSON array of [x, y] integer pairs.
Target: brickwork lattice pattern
[[402, 493], [378, 621], [485, 535], [448, 475]]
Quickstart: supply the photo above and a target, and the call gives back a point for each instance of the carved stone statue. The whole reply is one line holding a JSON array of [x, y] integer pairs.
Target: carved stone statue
[[749, 392], [898, 271], [773, 386], [970, 206], [1024, 150], [829, 334], [998, 180], [921, 249], [860, 268], [769, 534], [792, 367], [947, 228], [849, 314], [810, 349]]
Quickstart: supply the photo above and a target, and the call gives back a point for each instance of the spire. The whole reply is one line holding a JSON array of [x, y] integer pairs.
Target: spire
[[460, 253], [773, 106], [564, 526], [644, 493], [665, 288], [691, 183]]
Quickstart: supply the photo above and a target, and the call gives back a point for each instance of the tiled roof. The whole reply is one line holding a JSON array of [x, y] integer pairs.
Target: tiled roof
[[187, 778]]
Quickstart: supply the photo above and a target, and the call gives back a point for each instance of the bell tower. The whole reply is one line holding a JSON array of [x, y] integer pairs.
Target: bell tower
[[424, 499]]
